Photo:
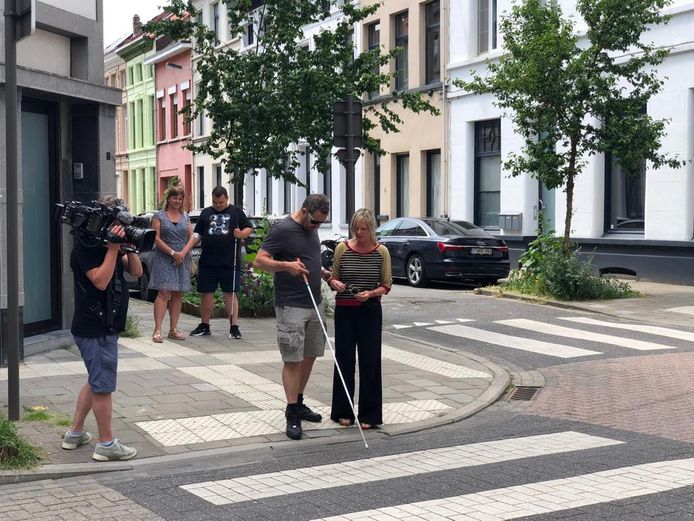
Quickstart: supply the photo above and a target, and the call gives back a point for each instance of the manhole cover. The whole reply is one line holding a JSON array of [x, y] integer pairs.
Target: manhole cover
[[524, 393]]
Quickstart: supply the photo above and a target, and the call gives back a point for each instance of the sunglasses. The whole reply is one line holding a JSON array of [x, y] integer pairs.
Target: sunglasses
[[353, 289], [315, 222]]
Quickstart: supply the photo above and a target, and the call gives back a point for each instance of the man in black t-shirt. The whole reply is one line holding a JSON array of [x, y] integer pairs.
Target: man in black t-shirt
[[101, 308], [221, 228]]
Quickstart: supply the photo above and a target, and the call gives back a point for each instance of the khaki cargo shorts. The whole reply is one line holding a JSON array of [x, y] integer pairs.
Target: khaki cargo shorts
[[299, 333]]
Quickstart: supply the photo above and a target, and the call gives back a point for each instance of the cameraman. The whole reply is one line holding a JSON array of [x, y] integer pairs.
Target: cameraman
[[101, 308]]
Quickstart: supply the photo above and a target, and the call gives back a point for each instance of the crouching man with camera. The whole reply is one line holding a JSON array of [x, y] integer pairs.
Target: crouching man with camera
[[101, 308]]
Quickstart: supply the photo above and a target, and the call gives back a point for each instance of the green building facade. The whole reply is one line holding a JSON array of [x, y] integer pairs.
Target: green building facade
[[140, 110]]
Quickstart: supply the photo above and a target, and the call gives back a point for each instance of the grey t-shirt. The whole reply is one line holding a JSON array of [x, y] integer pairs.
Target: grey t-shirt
[[286, 241]]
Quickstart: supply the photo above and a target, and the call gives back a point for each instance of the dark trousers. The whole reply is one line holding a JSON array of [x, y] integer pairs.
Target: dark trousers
[[358, 329]]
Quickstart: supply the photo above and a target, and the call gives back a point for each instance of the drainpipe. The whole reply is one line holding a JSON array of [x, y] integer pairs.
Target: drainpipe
[[445, 112]]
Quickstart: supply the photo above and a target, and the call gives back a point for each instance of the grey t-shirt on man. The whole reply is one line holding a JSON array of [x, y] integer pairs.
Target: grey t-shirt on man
[[286, 241]]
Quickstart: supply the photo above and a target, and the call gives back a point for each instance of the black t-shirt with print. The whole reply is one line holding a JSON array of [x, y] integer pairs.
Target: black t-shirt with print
[[91, 304], [216, 230]]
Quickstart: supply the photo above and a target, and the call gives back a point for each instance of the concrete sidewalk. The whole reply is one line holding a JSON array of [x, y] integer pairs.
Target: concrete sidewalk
[[205, 393], [662, 304]]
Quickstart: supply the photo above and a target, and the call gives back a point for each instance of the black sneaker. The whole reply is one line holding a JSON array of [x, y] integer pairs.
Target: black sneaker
[[202, 330], [235, 332], [294, 430], [306, 414]]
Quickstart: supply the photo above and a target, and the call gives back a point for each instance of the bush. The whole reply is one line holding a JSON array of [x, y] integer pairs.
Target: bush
[[131, 327], [15, 452], [256, 295], [550, 272]]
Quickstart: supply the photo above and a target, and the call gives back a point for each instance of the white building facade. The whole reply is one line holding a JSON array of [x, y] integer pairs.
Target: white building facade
[[642, 226]]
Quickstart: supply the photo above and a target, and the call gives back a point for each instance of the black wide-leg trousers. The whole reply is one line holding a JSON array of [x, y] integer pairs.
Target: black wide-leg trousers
[[358, 330]]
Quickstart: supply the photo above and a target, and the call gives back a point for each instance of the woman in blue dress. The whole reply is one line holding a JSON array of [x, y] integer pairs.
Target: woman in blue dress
[[170, 273]]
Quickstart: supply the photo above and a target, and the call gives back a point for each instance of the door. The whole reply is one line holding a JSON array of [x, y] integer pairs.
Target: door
[[40, 231], [548, 207]]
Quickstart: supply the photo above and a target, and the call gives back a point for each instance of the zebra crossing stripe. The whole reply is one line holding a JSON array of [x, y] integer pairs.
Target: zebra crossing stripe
[[551, 329], [514, 342], [432, 365], [543, 497], [653, 330], [254, 487]]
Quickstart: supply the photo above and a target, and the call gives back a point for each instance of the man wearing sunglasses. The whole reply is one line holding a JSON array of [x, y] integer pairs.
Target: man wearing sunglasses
[[291, 250]]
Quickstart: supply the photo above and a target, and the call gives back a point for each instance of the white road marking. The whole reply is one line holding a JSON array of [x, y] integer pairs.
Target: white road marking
[[543, 497], [368, 470], [444, 322], [398, 326], [653, 330], [429, 364], [514, 342], [422, 324], [684, 310], [580, 334]]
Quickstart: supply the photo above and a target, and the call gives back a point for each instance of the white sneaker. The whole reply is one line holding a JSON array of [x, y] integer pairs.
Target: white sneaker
[[117, 451], [72, 441]]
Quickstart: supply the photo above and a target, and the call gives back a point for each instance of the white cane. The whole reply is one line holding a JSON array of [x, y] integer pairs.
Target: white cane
[[337, 366]]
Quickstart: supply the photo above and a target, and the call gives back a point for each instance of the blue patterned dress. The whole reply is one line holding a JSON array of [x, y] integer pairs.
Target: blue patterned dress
[[165, 275]]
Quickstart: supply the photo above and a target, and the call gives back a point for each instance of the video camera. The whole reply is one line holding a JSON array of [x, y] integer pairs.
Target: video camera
[[95, 220]]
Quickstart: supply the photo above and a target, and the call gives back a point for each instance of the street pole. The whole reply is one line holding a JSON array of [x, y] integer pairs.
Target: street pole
[[12, 212], [349, 163]]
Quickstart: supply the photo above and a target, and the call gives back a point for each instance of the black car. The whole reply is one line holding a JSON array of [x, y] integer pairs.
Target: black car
[[423, 249]]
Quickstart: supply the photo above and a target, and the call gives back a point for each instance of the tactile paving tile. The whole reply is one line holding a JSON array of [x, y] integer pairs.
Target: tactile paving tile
[[432, 365]]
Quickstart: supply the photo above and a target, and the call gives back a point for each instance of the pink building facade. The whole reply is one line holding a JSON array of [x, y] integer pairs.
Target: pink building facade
[[173, 86]]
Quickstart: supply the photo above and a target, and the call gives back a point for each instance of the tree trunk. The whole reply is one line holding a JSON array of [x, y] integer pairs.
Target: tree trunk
[[569, 198]]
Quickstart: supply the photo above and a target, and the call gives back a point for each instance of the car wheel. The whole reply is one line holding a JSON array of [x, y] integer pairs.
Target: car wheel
[[416, 273], [145, 292]]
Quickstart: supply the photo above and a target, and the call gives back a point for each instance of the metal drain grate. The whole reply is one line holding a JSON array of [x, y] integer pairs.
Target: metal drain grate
[[524, 393]]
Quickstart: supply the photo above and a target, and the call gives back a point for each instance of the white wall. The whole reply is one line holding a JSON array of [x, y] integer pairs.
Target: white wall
[[45, 51], [86, 8]]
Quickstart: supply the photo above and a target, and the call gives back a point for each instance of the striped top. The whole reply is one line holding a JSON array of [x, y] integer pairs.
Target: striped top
[[360, 272]]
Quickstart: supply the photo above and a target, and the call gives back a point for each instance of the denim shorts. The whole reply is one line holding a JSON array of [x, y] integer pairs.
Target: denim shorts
[[100, 356], [209, 277], [299, 333]]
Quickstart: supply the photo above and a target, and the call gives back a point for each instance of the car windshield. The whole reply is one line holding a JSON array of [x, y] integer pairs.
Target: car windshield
[[451, 228]]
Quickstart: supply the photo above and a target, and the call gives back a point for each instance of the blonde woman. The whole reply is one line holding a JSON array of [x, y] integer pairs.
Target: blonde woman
[[361, 276], [170, 273]]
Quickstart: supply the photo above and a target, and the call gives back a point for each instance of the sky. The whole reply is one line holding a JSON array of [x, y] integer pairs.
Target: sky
[[118, 16]]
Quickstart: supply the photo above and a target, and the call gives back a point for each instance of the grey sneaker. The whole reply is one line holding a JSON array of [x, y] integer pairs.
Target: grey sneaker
[[72, 441], [117, 451]]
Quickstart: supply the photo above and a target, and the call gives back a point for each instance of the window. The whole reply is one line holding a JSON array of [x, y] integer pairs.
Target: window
[[377, 183], [327, 180], [173, 100], [216, 27], [250, 31], [268, 193], [218, 175], [238, 194], [401, 41], [487, 173], [201, 187], [373, 42], [152, 117], [138, 72], [287, 197], [409, 229], [625, 197], [186, 118], [434, 188], [201, 117], [308, 172], [402, 182], [122, 79], [162, 119], [432, 58], [486, 25], [387, 229], [130, 75], [140, 123]]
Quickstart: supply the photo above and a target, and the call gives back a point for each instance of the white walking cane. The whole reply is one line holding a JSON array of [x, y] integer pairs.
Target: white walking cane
[[337, 366]]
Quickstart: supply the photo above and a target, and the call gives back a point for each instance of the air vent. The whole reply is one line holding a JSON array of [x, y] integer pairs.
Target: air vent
[[524, 393]]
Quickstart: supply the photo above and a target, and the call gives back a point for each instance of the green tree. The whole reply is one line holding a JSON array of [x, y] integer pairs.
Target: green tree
[[276, 92], [571, 96]]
